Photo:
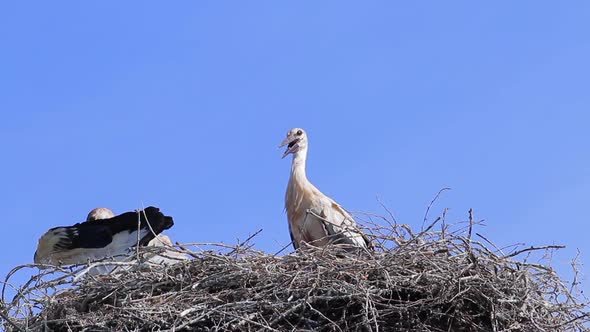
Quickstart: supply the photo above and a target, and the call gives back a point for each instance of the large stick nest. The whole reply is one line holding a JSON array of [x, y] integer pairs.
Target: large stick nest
[[431, 281]]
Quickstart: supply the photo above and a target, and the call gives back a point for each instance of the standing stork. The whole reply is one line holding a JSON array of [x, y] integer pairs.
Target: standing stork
[[315, 218]]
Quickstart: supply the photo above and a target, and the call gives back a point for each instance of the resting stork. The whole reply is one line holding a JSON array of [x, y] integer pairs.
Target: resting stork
[[96, 239], [315, 218], [159, 241], [165, 257]]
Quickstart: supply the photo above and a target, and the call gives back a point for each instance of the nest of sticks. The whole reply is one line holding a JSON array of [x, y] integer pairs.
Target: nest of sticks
[[440, 279]]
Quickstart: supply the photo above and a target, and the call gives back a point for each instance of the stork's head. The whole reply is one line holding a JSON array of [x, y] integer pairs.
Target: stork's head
[[296, 140], [99, 214]]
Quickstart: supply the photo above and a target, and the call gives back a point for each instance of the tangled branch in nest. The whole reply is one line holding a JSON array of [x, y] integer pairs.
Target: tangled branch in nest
[[431, 281]]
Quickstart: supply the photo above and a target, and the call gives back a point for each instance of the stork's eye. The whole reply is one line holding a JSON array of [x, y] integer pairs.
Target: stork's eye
[[299, 132]]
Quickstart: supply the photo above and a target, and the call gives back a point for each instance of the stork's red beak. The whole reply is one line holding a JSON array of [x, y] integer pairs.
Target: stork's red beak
[[292, 146]]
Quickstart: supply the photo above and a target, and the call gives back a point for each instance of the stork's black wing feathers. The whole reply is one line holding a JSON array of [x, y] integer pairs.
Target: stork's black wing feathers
[[84, 236], [99, 233], [93, 237]]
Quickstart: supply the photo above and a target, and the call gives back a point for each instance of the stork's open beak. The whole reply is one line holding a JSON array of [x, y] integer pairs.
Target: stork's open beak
[[292, 146]]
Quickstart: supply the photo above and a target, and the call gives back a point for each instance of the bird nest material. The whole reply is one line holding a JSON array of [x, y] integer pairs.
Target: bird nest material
[[436, 280]]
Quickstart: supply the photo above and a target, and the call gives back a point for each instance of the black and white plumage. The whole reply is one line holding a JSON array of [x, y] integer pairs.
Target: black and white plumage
[[97, 239], [167, 255]]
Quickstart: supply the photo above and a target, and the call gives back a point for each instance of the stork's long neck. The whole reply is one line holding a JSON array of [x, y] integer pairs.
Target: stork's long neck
[[298, 166], [298, 188]]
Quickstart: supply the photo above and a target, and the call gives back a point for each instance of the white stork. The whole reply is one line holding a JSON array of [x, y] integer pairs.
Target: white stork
[[315, 218], [161, 240], [101, 238], [166, 256]]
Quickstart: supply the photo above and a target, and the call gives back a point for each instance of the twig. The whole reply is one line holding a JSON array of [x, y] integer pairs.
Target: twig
[[470, 224], [240, 245], [516, 253], [431, 203]]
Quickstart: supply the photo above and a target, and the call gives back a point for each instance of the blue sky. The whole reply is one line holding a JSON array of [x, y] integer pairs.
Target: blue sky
[[183, 106]]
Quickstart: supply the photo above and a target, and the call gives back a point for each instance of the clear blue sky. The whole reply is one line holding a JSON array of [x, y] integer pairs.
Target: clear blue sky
[[183, 105]]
